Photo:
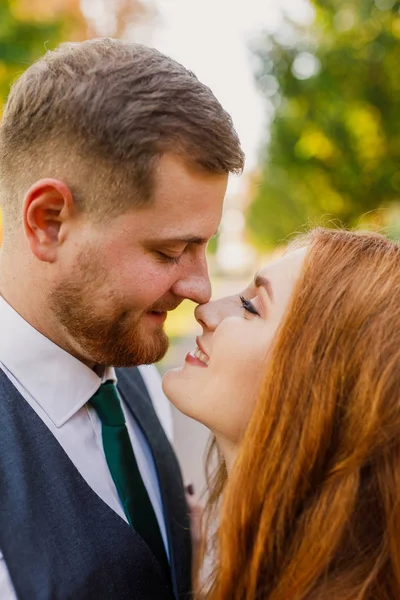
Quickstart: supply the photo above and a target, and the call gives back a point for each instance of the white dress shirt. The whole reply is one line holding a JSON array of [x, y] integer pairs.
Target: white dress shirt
[[58, 386]]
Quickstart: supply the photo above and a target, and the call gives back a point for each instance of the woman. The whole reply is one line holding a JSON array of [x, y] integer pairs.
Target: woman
[[299, 380]]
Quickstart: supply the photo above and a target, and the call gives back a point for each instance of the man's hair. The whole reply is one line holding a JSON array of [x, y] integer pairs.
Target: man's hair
[[99, 114]]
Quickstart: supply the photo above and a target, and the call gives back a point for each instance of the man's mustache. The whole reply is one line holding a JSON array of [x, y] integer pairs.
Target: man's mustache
[[158, 307]]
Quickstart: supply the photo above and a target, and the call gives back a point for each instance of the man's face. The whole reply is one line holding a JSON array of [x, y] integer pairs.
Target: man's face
[[117, 280]]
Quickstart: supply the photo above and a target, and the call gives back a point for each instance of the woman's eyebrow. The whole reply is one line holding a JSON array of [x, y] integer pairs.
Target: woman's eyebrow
[[260, 280]]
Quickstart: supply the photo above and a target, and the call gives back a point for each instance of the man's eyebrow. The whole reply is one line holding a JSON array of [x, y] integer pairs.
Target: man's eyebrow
[[259, 280], [190, 239]]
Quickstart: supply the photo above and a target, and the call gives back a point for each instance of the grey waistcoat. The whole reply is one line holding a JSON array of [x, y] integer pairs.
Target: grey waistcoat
[[59, 539]]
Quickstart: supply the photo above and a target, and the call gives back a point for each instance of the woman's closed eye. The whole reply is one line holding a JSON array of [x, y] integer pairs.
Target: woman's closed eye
[[248, 306]]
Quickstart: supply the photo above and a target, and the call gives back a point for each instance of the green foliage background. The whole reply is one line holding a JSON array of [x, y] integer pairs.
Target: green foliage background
[[334, 144], [24, 38]]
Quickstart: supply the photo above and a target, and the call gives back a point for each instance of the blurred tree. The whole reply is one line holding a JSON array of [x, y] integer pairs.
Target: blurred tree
[[334, 145], [118, 18], [27, 28]]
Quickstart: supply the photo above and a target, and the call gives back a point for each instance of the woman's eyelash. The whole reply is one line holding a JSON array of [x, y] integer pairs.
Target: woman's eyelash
[[248, 305]]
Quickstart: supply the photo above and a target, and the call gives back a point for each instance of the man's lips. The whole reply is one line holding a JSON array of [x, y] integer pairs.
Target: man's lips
[[158, 316]]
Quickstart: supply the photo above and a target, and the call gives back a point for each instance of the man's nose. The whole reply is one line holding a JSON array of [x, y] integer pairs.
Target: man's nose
[[194, 284]]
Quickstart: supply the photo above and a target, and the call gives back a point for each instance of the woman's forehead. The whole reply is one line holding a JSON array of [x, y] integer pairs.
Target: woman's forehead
[[289, 262]]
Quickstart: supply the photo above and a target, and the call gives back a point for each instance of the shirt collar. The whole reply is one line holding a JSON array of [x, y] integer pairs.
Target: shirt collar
[[57, 381]]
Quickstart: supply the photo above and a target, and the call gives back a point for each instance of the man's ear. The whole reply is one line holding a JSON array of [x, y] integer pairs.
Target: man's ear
[[48, 205]]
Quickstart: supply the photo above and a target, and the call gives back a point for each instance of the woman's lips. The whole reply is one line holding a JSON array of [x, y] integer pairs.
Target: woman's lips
[[197, 358], [202, 350]]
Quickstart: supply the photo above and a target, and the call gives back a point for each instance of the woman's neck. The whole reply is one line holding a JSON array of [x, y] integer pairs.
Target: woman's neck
[[229, 451]]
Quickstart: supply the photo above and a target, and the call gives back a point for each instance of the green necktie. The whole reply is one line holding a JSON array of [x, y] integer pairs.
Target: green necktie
[[125, 472]]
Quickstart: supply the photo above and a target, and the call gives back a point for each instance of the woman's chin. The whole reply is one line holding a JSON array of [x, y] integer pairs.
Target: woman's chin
[[170, 384], [181, 393]]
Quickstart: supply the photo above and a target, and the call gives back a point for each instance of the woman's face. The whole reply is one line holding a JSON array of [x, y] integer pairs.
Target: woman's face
[[220, 379]]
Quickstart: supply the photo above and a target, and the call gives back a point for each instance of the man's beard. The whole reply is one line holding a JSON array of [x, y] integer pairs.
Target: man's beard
[[110, 337]]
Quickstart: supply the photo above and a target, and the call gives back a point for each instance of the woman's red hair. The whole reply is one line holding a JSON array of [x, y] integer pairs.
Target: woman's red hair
[[311, 510]]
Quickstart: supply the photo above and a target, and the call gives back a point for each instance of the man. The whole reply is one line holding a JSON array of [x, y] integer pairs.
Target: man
[[114, 162]]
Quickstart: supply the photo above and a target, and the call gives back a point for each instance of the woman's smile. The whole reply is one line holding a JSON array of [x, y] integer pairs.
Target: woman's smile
[[197, 358]]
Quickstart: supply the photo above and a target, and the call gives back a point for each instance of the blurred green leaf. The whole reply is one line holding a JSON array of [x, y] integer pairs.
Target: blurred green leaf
[[334, 143], [26, 35]]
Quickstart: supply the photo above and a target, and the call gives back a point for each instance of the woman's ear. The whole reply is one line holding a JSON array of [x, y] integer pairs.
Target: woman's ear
[[48, 205]]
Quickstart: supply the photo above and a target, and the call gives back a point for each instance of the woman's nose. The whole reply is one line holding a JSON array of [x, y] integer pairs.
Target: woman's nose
[[210, 315], [207, 315]]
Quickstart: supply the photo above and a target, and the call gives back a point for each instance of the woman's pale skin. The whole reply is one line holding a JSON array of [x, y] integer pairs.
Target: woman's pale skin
[[220, 379]]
